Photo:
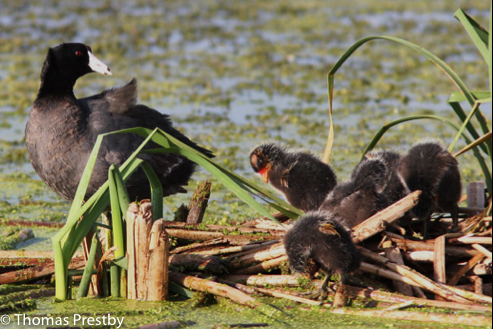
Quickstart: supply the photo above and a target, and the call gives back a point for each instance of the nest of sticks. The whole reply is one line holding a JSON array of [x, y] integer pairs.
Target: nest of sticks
[[398, 270]]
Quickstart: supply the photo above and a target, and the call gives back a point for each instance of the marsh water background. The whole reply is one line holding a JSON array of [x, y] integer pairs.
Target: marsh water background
[[234, 74]]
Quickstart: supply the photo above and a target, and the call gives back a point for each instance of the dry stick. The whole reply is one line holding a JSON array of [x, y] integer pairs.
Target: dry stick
[[464, 269], [370, 268], [394, 254], [261, 247], [265, 223], [157, 283], [219, 289], [264, 266], [471, 295], [198, 202], [439, 263], [482, 250], [398, 298], [235, 249], [420, 316], [143, 224], [222, 228], [132, 213], [421, 256], [378, 222], [419, 278], [264, 280], [395, 276], [41, 255], [410, 245], [274, 293], [471, 240], [481, 269], [37, 271], [28, 223], [201, 235], [478, 284], [197, 245], [273, 251]]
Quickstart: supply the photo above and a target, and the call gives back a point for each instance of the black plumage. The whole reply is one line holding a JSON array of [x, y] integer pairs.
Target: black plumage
[[318, 241], [429, 167], [300, 176], [61, 129], [362, 195]]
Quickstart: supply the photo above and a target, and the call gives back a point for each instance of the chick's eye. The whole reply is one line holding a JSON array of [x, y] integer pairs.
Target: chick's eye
[[78, 53]]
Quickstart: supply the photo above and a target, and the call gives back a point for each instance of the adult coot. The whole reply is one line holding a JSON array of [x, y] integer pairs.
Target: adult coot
[[299, 175], [61, 130]]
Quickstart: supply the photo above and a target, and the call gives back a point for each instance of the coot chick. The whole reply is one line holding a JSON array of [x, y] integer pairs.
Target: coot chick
[[429, 167], [61, 130], [300, 176], [318, 241], [395, 188], [361, 196]]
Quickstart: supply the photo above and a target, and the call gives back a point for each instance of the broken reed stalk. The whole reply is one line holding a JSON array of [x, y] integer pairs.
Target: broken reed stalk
[[439, 274], [264, 266], [132, 213], [197, 245], [147, 254], [143, 224], [384, 296], [370, 268], [419, 316], [410, 245], [271, 252], [278, 294], [222, 228], [235, 249], [157, 284], [394, 254], [464, 269], [264, 280], [28, 223], [419, 278], [37, 272], [198, 202], [379, 222], [482, 250], [215, 288]]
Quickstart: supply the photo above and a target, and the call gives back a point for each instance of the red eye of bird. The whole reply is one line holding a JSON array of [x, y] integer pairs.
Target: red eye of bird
[[78, 53]]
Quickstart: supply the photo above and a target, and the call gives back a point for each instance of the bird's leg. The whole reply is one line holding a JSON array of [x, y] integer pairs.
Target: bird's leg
[[455, 216], [322, 292]]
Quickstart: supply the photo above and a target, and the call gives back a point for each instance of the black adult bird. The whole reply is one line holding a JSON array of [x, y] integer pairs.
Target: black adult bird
[[300, 176], [318, 240], [361, 196], [61, 129], [429, 167]]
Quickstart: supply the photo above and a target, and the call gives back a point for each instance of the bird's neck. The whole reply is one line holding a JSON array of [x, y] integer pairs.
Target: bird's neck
[[56, 84]]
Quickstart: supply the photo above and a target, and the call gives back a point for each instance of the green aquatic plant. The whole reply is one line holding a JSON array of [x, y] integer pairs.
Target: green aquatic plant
[[478, 142], [83, 215]]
